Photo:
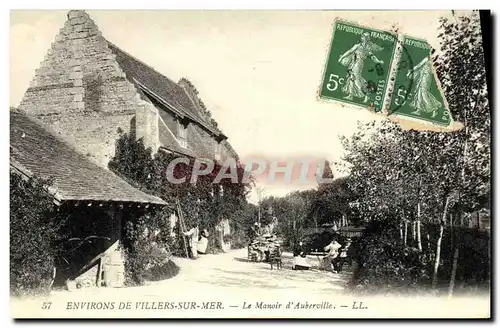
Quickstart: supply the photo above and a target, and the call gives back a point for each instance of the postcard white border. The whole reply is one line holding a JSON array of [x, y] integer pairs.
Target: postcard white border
[[179, 4]]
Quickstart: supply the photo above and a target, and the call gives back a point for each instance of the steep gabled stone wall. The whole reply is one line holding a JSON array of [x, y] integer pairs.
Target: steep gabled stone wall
[[82, 93]]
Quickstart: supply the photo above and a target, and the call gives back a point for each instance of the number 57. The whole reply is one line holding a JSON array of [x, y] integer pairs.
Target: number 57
[[333, 82]]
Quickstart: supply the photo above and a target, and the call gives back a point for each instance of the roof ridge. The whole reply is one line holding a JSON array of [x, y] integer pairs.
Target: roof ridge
[[195, 100]]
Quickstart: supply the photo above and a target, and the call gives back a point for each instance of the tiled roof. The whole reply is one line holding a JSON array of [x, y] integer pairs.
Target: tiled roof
[[37, 151], [161, 87]]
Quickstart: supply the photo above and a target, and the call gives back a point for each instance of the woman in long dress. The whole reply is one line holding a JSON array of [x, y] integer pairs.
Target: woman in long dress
[[353, 59], [423, 100]]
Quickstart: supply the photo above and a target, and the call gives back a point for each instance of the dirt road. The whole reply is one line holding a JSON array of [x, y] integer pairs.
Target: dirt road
[[233, 271], [227, 286], [224, 278]]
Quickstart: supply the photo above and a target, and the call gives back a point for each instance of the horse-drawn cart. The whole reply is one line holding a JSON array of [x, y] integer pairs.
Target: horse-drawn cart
[[261, 248]]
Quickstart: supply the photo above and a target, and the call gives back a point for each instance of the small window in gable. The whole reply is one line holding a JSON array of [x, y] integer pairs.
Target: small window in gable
[[182, 134], [216, 147]]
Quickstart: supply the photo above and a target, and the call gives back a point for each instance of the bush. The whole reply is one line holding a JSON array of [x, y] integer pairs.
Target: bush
[[318, 241], [33, 232], [147, 250], [148, 262], [386, 266], [165, 271], [239, 240]]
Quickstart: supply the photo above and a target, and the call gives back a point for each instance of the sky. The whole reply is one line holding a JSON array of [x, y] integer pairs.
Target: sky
[[258, 72]]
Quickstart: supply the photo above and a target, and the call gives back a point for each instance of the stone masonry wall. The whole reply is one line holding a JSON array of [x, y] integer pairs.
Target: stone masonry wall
[[82, 93]]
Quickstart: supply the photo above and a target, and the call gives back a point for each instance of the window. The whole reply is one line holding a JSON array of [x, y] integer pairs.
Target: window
[[182, 134], [216, 147], [217, 150]]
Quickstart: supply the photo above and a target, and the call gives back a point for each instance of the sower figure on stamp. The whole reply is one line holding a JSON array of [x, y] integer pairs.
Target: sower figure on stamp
[[193, 240], [353, 59], [423, 100]]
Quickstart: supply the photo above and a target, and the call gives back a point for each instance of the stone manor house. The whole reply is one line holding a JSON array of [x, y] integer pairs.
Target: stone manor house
[[85, 91]]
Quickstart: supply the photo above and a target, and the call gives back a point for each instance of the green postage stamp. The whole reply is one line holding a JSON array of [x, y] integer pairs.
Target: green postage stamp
[[357, 71], [416, 92], [384, 72]]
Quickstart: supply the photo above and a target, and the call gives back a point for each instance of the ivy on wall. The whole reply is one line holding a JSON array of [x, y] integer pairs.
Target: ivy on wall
[[202, 203]]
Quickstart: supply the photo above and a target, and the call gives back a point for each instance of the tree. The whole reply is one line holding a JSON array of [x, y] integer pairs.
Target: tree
[[261, 192], [332, 203], [461, 70], [294, 213], [34, 234], [406, 176]]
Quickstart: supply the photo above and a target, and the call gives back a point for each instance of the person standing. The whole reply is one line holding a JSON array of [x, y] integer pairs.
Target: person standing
[[333, 252], [193, 240], [202, 245], [299, 250], [343, 255]]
